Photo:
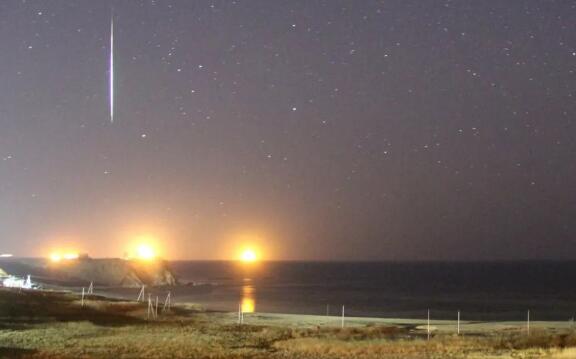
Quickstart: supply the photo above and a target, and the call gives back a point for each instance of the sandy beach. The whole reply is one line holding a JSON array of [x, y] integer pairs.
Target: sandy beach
[[442, 326]]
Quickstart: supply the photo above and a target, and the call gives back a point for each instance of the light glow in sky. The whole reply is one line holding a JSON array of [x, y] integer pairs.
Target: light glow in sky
[[145, 251], [248, 255]]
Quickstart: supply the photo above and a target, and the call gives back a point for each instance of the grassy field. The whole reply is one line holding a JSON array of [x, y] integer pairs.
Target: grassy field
[[55, 325]]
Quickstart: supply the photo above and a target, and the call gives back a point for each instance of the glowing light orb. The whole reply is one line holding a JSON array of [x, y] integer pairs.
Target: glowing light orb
[[145, 252], [248, 255], [71, 255], [59, 256]]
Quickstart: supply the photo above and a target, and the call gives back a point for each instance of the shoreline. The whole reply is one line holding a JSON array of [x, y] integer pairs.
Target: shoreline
[[279, 319], [417, 325], [303, 320], [62, 324]]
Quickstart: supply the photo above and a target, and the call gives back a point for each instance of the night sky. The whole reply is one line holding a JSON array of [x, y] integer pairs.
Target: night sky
[[350, 130]]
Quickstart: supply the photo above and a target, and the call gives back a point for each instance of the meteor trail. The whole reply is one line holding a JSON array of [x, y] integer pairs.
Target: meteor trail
[[112, 69]]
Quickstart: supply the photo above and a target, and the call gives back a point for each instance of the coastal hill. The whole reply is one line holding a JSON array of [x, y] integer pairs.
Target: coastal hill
[[114, 272], [102, 271]]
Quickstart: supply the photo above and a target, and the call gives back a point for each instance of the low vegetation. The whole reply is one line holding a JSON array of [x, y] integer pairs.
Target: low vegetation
[[55, 325]]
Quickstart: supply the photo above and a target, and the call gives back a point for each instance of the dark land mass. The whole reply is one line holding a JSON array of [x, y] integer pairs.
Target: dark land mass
[[101, 271]]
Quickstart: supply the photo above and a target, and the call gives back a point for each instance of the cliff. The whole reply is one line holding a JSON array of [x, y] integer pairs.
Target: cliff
[[113, 272]]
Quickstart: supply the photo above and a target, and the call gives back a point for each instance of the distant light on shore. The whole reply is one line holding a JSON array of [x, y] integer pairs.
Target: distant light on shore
[[55, 257], [248, 255], [59, 256], [6, 255], [145, 251], [248, 248], [70, 256], [143, 247]]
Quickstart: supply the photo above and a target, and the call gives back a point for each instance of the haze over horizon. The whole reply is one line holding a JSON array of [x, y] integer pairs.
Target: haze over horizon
[[329, 129]]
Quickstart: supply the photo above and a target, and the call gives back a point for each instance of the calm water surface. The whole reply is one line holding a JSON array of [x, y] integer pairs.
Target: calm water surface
[[482, 291]]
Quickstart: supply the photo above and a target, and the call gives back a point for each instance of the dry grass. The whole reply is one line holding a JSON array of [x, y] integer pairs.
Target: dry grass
[[54, 325]]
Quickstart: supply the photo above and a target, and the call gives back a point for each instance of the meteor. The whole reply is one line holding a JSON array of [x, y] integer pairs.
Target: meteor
[[112, 69]]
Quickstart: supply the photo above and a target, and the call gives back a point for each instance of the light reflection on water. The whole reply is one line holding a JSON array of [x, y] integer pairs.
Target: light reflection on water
[[484, 291], [248, 297]]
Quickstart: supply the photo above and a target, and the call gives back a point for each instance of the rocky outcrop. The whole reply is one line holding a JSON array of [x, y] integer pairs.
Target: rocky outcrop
[[114, 272]]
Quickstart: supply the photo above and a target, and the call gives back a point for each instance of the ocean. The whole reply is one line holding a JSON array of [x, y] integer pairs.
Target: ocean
[[481, 291]]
